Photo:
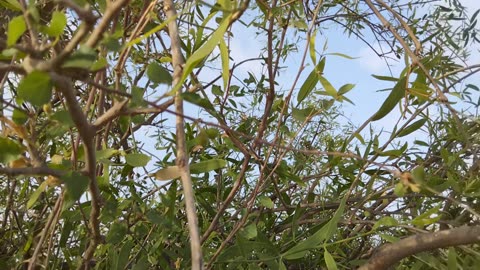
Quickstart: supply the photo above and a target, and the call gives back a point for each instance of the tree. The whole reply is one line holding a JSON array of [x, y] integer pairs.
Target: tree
[[134, 138]]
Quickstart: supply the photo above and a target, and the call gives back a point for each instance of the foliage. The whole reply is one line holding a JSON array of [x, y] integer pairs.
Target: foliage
[[102, 100]]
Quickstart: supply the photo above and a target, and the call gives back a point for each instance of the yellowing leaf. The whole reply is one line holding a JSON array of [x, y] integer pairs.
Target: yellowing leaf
[[168, 173]]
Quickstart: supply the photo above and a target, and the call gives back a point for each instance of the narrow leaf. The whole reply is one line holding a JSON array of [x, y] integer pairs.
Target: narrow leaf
[[208, 165], [328, 86], [325, 233], [203, 52], [413, 127], [307, 86], [36, 194], [329, 261], [225, 61], [392, 100]]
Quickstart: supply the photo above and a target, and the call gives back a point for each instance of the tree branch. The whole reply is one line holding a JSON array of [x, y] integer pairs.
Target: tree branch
[[392, 253], [182, 157]]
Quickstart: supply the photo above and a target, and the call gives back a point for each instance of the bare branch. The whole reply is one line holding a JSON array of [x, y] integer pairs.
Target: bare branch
[[182, 154], [390, 254]]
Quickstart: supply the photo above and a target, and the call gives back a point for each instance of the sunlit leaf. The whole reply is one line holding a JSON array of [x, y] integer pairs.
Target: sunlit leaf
[[167, 173], [34, 197], [137, 159], [203, 52], [329, 261], [57, 24], [328, 86], [16, 28], [225, 61]]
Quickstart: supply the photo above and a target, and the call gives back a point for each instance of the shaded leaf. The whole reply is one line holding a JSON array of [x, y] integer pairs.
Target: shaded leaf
[[392, 100], [10, 150], [82, 58], [158, 74], [413, 127], [36, 88], [207, 165], [76, 184], [325, 233], [307, 86]]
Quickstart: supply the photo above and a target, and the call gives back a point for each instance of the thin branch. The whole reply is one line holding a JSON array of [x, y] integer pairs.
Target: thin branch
[[182, 154]]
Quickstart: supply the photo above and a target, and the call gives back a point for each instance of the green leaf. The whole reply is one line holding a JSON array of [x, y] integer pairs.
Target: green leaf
[[250, 231], [11, 4], [63, 117], [203, 52], [418, 174], [322, 235], [311, 48], [10, 150], [385, 78], [83, 58], [137, 159], [57, 24], [385, 221], [413, 127], [34, 197], [19, 117], [76, 184], [329, 261], [266, 202], [101, 63], [196, 99], [452, 259], [105, 153], [116, 233], [207, 165], [303, 114], [158, 74], [225, 62], [392, 100], [345, 88], [307, 86], [36, 88], [343, 55], [16, 28], [328, 86]]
